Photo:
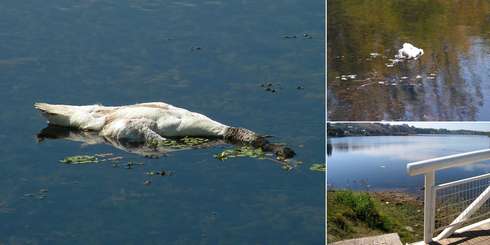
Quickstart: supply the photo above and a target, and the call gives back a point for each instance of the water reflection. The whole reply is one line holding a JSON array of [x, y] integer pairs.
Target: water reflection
[[92, 138], [449, 82], [271, 151]]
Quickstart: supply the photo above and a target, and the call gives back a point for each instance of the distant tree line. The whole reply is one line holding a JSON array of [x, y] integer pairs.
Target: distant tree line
[[379, 129]]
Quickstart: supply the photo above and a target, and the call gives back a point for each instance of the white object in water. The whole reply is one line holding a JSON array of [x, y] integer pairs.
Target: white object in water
[[141, 122], [408, 51]]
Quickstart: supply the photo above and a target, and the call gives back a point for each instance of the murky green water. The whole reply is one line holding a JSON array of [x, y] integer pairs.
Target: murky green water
[[206, 56], [451, 81]]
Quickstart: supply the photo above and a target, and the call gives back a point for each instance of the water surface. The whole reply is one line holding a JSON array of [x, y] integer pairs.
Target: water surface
[[450, 82], [380, 162], [206, 56]]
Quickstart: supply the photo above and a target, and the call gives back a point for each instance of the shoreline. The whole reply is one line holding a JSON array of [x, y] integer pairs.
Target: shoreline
[[355, 214]]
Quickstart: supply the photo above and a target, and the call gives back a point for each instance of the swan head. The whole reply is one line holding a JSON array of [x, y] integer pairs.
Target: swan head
[[242, 135]]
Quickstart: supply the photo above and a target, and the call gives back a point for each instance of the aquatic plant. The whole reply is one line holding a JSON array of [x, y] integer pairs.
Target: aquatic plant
[[180, 143], [243, 151], [79, 159], [96, 158], [320, 167]]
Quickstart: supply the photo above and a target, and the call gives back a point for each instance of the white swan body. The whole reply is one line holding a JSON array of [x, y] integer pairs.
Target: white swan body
[[140, 122], [408, 51]]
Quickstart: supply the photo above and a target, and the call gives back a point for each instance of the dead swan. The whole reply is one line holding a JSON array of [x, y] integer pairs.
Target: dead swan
[[148, 122], [408, 51]]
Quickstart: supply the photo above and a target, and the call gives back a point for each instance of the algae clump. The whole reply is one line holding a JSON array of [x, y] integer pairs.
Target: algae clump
[[320, 167], [243, 151], [79, 159], [179, 143]]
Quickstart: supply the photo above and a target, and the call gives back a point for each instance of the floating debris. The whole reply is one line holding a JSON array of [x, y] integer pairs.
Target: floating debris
[[289, 36], [393, 62], [307, 36], [403, 78], [431, 76], [104, 154], [418, 77], [147, 182], [269, 87], [320, 167], [408, 51], [113, 158], [243, 151], [41, 194], [347, 77], [374, 55], [159, 173]]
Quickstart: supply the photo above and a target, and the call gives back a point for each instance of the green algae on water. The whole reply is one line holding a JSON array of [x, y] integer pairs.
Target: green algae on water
[[81, 159], [179, 143], [243, 151], [320, 167], [96, 158]]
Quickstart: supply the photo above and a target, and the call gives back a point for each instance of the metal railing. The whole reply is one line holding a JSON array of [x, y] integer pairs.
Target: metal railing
[[450, 206]]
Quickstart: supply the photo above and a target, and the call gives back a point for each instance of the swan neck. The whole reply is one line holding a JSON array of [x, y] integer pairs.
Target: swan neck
[[240, 135]]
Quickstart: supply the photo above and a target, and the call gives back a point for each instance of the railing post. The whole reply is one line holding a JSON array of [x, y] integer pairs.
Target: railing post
[[429, 206]]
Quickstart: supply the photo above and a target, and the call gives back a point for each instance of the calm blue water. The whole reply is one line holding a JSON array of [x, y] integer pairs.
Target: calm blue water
[[380, 162], [206, 56]]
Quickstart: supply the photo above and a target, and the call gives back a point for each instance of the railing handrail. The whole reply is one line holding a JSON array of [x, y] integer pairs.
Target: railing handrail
[[429, 168], [457, 160]]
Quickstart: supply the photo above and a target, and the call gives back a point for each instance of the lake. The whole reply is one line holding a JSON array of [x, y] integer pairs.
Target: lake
[[380, 162], [450, 82], [206, 56]]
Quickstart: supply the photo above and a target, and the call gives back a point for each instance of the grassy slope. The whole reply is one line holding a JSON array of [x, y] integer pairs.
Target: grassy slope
[[359, 214]]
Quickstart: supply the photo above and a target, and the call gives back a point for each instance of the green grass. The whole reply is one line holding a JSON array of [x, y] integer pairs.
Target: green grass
[[358, 214]]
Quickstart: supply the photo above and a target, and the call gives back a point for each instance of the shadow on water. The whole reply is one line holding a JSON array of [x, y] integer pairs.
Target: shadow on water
[[449, 82], [278, 153]]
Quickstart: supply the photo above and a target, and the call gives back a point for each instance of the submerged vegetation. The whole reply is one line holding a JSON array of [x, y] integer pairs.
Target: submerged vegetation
[[359, 214]]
